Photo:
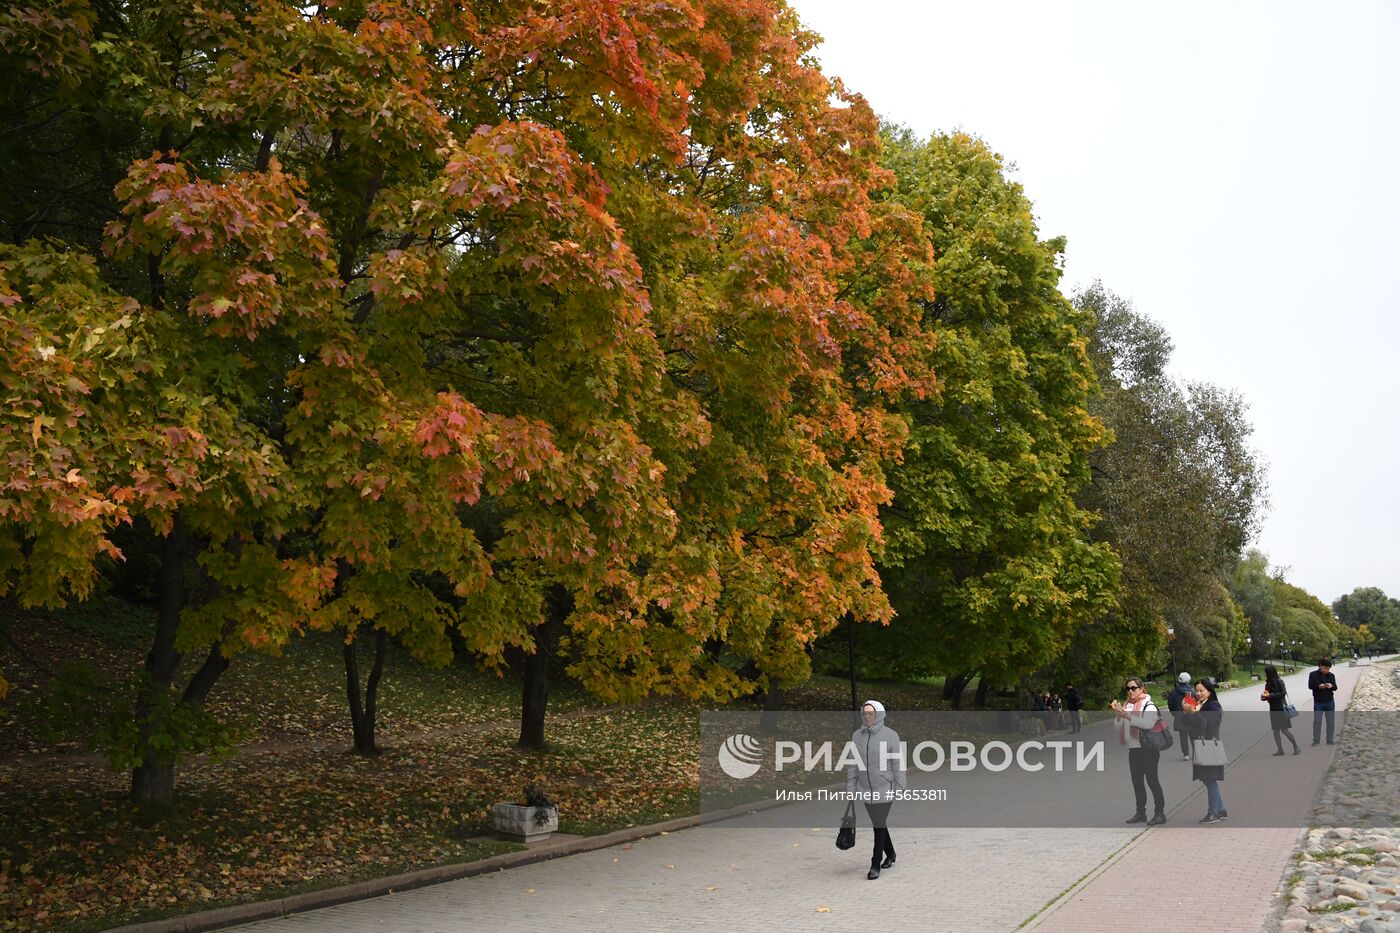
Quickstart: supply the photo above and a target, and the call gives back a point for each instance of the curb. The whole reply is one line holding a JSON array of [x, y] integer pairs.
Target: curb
[[222, 917]]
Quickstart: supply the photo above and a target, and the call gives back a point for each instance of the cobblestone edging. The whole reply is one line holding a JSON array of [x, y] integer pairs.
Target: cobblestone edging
[[1348, 867]]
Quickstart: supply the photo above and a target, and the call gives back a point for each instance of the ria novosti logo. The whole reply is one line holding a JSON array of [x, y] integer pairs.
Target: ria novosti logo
[[740, 756]]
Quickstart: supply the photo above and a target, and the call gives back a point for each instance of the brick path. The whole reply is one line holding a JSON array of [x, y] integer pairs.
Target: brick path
[[1222, 874], [978, 879]]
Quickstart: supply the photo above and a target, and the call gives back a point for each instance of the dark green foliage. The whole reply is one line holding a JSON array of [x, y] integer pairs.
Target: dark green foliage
[[96, 709], [1369, 606], [1179, 493]]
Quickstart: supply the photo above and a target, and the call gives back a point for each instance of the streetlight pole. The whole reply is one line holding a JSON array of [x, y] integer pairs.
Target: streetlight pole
[[1171, 640], [851, 648]]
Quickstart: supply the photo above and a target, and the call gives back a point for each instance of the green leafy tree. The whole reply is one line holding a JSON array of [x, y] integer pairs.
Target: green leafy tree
[[989, 561], [1369, 606], [1253, 589], [1179, 493]]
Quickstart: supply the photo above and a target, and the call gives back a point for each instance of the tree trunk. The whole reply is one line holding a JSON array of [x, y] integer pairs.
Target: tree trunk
[[534, 697], [772, 706], [153, 781], [362, 710], [981, 700], [953, 688]]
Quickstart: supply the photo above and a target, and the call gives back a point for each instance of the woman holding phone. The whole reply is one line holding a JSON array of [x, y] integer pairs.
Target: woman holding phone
[[1276, 695], [1139, 714], [1203, 722]]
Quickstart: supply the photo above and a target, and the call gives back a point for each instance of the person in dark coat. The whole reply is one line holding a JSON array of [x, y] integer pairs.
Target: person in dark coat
[[1203, 722], [1276, 695], [1323, 684], [1074, 704]]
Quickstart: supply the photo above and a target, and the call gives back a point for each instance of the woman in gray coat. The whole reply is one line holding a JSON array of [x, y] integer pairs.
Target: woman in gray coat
[[877, 777]]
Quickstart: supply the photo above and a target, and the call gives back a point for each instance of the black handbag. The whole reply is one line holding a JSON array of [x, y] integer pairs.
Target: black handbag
[[846, 836], [1159, 737]]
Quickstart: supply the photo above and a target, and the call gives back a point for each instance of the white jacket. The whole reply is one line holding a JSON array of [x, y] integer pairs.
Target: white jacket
[[1142, 717]]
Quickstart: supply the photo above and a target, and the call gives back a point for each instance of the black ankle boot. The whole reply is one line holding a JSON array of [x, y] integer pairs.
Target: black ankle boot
[[1138, 817], [888, 862], [873, 873]]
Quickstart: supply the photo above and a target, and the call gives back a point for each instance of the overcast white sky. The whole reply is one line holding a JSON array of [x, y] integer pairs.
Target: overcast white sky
[[1231, 168]]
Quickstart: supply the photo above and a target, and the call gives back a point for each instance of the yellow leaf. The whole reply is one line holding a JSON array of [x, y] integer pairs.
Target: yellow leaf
[[823, 910]]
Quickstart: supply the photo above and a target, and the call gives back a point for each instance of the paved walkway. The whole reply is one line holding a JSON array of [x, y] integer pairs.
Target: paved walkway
[[974, 879]]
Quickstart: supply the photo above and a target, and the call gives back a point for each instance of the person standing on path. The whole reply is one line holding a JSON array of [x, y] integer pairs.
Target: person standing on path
[[1140, 714], [1074, 705], [1181, 691], [1276, 695], [1203, 720], [1323, 684], [877, 774]]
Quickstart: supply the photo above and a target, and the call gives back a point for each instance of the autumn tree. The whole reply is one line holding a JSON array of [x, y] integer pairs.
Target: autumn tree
[[770, 419], [322, 256], [535, 322]]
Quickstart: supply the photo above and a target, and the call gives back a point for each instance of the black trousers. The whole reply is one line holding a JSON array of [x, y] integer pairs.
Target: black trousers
[[1185, 741], [879, 814], [1142, 767]]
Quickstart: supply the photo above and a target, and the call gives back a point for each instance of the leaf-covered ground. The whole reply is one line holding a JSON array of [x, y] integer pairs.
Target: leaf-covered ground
[[75, 855], [294, 810]]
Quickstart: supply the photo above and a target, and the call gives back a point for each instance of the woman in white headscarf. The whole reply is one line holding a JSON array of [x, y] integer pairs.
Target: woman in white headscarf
[[877, 776]]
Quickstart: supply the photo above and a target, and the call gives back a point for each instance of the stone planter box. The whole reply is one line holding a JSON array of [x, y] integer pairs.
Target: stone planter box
[[518, 823]]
